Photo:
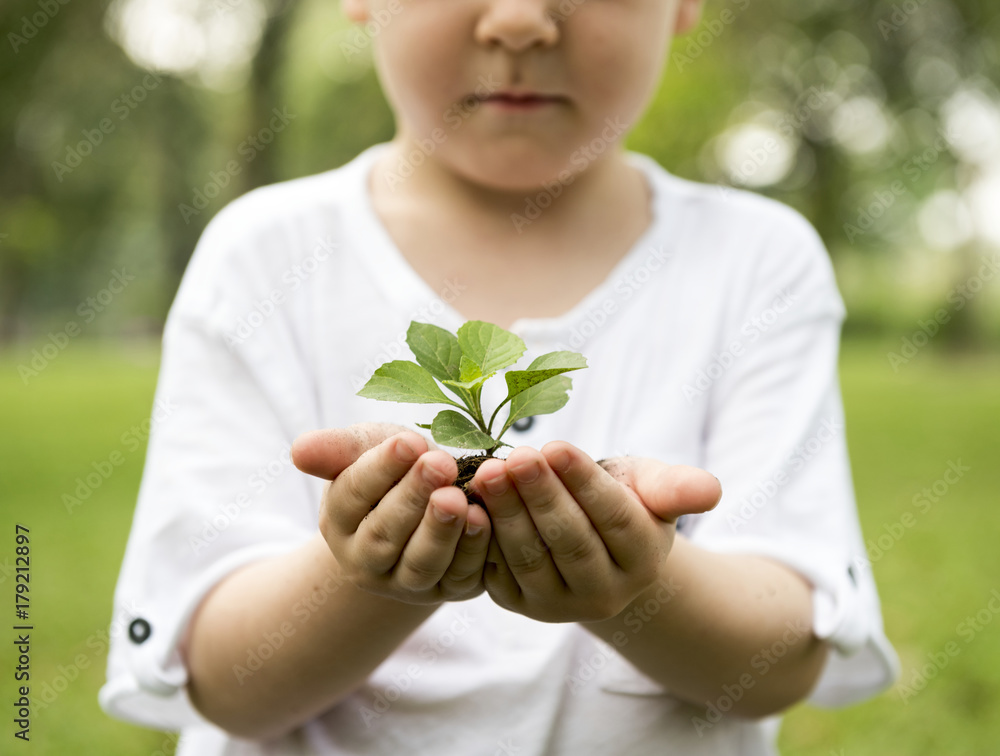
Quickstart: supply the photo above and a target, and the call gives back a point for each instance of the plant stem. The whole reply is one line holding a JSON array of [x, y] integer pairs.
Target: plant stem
[[489, 430], [477, 409]]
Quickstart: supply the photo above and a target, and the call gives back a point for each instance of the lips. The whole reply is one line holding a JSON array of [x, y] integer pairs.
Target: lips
[[522, 98], [521, 101]]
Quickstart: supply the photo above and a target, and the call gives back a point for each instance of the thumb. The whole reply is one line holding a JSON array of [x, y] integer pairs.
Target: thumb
[[327, 452], [668, 491]]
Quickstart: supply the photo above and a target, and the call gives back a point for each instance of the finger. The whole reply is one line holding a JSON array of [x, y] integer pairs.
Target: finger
[[353, 493], [383, 534], [525, 554], [576, 547], [430, 551], [465, 572], [498, 579], [328, 452], [668, 491], [620, 522]]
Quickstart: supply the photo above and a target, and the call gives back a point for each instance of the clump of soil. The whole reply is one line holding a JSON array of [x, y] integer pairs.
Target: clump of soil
[[467, 467]]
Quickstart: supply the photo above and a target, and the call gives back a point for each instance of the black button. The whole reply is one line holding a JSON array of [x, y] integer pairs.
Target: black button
[[524, 424], [139, 630]]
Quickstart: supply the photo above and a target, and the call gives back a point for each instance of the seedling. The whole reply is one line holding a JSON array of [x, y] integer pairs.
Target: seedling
[[462, 363]]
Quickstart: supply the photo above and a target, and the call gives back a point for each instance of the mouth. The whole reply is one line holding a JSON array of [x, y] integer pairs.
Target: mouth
[[510, 100]]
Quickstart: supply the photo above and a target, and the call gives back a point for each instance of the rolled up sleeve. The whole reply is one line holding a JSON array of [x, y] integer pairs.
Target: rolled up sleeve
[[218, 489], [776, 440]]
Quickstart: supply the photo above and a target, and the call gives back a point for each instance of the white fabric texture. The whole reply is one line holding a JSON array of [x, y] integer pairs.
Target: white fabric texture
[[713, 342]]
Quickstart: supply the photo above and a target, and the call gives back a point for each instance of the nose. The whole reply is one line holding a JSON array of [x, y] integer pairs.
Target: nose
[[517, 25]]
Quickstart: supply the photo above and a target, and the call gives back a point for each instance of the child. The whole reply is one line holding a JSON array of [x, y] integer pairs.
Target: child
[[598, 608]]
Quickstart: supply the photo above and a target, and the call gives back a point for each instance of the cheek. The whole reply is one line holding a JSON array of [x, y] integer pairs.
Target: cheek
[[619, 78], [421, 78]]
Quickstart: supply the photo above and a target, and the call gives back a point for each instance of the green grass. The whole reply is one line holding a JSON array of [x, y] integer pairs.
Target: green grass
[[72, 415], [903, 430]]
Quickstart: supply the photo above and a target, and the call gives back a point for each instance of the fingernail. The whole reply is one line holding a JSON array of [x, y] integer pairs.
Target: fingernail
[[405, 452], [527, 471], [559, 460], [433, 477], [444, 517], [473, 530], [497, 486]]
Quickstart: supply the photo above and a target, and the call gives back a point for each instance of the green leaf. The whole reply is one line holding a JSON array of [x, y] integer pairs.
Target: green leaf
[[566, 360], [404, 381], [436, 350], [489, 346], [452, 429], [543, 368], [469, 371], [471, 375], [541, 399]]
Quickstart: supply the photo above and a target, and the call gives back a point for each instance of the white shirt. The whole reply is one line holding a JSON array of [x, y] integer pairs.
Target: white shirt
[[713, 343]]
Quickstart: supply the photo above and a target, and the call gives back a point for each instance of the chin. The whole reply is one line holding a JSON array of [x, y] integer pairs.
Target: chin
[[513, 173]]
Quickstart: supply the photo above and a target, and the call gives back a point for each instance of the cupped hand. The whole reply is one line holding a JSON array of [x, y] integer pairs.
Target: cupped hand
[[391, 516], [573, 541]]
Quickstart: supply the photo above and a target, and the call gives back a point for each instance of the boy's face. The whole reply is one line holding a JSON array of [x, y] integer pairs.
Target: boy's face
[[510, 93]]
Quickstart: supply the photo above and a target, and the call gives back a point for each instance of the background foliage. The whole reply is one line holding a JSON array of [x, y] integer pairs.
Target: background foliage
[[854, 96]]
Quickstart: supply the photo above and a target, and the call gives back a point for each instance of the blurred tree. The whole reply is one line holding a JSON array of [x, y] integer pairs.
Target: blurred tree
[[843, 101], [266, 84], [28, 231], [862, 116]]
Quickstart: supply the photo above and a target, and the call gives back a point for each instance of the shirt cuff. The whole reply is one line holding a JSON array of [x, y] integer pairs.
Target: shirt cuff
[[146, 677]]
